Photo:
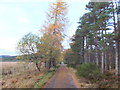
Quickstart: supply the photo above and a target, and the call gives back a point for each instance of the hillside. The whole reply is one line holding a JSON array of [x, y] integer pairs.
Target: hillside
[[5, 58]]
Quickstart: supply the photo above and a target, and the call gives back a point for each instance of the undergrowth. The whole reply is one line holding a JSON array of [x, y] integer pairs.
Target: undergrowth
[[92, 72], [89, 70]]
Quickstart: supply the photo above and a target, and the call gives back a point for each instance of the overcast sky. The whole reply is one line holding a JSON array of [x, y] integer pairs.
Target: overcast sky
[[19, 17]]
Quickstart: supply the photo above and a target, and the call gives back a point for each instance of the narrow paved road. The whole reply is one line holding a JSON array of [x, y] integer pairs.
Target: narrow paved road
[[61, 79]]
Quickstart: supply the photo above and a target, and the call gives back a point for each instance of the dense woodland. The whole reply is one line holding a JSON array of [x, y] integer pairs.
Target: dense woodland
[[97, 38]]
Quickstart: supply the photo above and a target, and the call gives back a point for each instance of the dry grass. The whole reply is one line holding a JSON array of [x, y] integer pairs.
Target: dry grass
[[18, 74], [12, 68]]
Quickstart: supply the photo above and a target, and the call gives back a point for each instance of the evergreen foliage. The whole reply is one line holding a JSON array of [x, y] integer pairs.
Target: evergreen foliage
[[88, 70], [95, 37]]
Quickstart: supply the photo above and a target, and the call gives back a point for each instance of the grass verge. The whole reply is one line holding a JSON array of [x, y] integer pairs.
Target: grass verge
[[43, 80]]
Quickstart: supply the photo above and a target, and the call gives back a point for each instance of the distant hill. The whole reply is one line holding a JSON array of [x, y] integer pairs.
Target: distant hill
[[6, 58], [3, 56]]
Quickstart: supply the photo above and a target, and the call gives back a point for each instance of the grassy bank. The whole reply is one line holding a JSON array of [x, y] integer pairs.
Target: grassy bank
[[43, 80]]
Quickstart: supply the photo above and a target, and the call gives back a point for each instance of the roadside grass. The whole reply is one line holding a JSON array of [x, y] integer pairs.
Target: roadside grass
[[19, 74], [43, 79], [23, 75], [14, 74], [107, 80], [23, 80], [12, 69]]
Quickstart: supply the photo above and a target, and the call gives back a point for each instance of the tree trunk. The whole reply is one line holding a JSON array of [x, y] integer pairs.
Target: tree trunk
[[87, 51], [83, 50], [96, 54], [110, 59], [116, 59], [89, 57], [49, 63], [37, 66], [54, 63], [45, 64], [105, 59], [90, 53], [118, 40], [96, 50], [119, 58], [102, 63]]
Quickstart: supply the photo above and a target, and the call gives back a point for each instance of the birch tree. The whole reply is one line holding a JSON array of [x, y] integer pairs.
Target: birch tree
[[28, 48]]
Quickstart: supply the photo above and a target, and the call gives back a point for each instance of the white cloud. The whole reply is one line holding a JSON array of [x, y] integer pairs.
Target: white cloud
[[23, 20], [8, 43]]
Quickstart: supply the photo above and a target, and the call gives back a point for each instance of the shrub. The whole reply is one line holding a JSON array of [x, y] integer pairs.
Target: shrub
[[71, 65], [89, 70]]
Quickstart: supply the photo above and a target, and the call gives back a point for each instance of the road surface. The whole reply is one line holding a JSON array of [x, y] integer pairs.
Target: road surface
[[61, 79]]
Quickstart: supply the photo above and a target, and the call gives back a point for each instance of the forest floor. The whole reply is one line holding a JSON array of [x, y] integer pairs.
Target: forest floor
[[62, 79]]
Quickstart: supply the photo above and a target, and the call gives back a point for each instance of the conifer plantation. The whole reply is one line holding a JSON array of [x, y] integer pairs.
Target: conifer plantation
[[96, 43]]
